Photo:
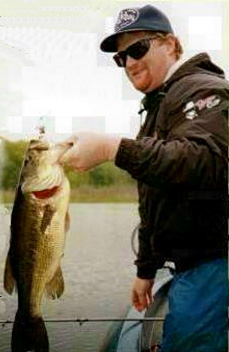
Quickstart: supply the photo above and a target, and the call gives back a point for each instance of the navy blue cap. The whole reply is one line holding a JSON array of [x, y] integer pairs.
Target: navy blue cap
[[136, 19]]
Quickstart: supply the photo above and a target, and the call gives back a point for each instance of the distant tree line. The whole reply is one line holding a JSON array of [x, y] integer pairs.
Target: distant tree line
[[103, 175]]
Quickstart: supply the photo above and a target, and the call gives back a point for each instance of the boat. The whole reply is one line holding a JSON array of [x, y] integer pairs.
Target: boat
[[141, 331]]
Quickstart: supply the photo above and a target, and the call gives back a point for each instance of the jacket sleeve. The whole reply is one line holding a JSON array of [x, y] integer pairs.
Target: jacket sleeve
[[193, 154], [146, 265]]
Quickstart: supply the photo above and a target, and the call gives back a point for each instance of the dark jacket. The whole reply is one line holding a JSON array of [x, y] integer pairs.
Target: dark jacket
[[180, 162]]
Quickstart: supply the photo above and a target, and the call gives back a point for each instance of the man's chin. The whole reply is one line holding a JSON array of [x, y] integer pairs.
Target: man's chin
[[144, 87], [140, 84]]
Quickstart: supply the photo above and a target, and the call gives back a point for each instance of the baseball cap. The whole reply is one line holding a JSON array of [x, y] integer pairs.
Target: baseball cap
[[136, 19]]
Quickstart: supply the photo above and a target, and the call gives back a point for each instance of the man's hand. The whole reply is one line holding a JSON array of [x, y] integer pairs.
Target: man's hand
[[90, 149], [142, 293]]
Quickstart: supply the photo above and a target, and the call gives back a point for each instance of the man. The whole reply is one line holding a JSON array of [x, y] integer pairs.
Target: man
[[180, 162]]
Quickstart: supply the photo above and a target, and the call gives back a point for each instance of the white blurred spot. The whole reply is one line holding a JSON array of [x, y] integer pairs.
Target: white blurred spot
[[63, 124], [109, 25], [205, 33], [14, 124]]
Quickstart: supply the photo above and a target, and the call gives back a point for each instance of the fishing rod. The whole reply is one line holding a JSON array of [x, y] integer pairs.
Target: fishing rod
[[81, 321]]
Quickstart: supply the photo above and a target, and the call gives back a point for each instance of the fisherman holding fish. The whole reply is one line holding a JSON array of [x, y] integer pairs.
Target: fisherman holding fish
[[179, 160]]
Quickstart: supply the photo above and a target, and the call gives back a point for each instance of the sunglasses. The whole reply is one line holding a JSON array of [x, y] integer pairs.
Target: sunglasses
[[136, 51]]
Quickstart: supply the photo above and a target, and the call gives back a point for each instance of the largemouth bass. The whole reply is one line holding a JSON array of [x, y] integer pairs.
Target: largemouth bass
[[39, 223]]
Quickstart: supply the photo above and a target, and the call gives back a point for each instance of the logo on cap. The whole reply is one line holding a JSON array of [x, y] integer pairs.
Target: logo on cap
[[125, 18]]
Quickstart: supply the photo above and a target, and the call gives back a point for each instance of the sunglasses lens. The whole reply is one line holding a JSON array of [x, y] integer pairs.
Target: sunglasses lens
[[120, 59], [138, 50]]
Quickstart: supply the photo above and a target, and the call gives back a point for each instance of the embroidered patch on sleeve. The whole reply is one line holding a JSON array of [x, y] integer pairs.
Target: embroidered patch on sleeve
[[192, 108], [208, 102]]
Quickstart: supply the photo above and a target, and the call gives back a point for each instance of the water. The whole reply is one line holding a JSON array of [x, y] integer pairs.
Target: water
[[98, 270]]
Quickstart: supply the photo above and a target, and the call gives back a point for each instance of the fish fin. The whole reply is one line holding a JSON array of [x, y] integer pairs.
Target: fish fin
[[67, 221], [55, 287], [9, 281], [29, 334]]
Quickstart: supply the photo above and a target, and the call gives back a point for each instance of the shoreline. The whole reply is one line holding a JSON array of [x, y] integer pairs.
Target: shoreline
[[90, 194]]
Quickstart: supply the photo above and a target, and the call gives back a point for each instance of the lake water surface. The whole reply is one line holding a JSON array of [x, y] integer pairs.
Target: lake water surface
[[98, 271]]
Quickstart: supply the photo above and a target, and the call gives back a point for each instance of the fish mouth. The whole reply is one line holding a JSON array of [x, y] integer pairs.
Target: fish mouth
[[48, 178], [46, 185], [46, 193]]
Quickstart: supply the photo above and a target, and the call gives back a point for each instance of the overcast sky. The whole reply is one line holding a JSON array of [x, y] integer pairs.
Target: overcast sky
[[52, 72]]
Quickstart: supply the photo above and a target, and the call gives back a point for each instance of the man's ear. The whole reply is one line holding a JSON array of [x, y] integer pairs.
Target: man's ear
[[170, 44]]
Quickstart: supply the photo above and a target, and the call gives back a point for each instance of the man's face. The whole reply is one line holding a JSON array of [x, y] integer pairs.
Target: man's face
[[149, 72]]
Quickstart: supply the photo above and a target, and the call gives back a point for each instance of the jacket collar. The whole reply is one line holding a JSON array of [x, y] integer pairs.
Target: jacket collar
[[200, 63], [174, 68]]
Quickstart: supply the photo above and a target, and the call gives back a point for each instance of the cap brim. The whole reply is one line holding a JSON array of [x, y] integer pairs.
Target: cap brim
[[109, 44]]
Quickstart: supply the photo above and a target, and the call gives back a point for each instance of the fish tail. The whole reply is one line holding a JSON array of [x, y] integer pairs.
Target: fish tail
[[29, 334]]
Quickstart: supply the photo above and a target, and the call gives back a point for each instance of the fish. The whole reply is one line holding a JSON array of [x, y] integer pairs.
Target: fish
[[39, 223]]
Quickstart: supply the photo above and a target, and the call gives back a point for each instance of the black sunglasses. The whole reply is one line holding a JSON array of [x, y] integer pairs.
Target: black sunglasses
[[136, 51]]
